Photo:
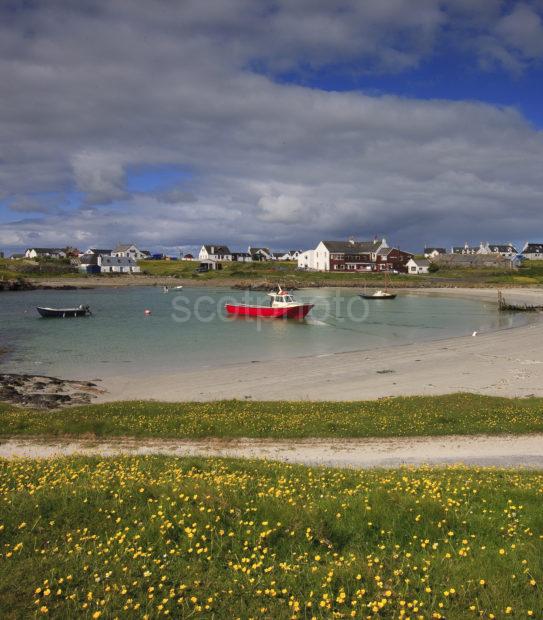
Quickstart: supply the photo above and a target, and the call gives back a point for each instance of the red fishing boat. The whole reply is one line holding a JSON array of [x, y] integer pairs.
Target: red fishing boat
[[282, 306]]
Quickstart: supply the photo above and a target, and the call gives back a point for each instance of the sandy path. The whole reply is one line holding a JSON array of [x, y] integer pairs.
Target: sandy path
[[503, 363], [500, 451]]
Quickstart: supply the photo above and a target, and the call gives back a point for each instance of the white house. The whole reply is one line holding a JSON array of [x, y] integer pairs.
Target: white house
[[125, 250], [45, 253], [289, 255], [325, 256], [215, 253], [260, 254], [417, 266], [306, 260], [533, 251], [466, 249], [507, 250], [433, 252], [117, 264], [242, 257]]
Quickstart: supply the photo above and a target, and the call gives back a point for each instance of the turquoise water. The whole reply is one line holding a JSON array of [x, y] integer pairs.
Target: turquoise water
[[189, 329]]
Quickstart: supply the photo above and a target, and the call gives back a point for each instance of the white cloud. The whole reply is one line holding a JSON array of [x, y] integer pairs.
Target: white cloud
[[281, 208], [99, 91]]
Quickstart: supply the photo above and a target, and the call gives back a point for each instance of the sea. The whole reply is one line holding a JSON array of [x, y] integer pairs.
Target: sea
[[190, 330]]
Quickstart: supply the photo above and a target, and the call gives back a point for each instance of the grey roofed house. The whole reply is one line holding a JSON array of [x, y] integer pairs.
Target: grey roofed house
[[432, 250], [254, 251], [499, 248], [353, 247], [533, 248], [46, 250]]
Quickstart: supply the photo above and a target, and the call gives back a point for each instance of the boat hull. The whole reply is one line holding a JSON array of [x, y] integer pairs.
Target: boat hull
[[62, 313], [383, 297], [267, 312]]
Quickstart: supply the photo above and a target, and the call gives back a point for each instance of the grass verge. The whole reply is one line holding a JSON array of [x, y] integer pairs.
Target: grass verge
[[155, 536], [462, 414]]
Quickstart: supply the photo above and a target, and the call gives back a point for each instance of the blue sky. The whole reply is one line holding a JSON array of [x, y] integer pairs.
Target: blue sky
[[276, 123]]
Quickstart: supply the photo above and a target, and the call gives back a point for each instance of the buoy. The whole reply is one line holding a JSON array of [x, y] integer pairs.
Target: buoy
[[474, 334], [147, 312]]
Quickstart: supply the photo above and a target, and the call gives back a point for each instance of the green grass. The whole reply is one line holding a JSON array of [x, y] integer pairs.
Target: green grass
[[531, 274], [156, 536], [461, 414], [17, 269]]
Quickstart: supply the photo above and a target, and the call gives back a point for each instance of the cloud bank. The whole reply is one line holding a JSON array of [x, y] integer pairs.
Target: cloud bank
[[94, 90]]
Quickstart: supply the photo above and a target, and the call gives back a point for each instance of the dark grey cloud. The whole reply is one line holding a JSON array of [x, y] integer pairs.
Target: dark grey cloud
[[93, 89]]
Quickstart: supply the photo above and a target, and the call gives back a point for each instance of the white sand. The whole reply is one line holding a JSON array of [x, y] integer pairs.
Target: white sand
[[482, 450], [502, 363]]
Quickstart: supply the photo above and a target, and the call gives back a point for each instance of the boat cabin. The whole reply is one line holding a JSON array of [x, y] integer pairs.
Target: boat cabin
[[281, 298]]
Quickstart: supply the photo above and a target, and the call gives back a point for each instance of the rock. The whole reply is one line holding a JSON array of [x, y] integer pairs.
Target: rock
[[45, 392]]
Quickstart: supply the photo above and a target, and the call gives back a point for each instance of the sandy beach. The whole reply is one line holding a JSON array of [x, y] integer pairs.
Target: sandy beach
[[502, 363], [481, 450]]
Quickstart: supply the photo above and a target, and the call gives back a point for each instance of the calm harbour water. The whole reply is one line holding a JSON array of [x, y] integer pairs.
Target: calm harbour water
[[119, 339]]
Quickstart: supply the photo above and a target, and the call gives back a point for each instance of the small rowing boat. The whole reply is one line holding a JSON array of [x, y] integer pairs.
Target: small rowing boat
[[63, 313], [283, 306]]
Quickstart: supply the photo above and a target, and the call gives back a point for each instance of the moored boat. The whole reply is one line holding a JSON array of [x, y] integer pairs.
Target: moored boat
[[283, 306], [378, 295], [63, 313]]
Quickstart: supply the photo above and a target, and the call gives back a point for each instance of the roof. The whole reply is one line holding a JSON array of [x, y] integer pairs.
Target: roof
[[533, 248], [500, 247], [256, 250], [99, 251], [245, 254], [89, 259], [422, 262], [212, 248], [115, 261], [440, 250], [352, 247], [123, 247], [46, 250]]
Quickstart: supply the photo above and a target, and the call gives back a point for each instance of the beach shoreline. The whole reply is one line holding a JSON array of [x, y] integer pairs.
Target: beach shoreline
[[507, 362], [428, 283]]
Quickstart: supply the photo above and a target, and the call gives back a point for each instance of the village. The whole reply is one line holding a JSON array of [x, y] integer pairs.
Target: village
[[349, 255]]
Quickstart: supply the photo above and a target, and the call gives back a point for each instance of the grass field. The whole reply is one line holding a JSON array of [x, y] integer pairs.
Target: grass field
[[531, 274], [25, 269], [462, 414], [152, 537]]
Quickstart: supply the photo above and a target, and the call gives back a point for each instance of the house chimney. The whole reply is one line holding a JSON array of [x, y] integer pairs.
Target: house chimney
[[212, 249]]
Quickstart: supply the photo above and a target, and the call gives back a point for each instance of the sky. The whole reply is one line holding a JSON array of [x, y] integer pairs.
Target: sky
[[279, 123]]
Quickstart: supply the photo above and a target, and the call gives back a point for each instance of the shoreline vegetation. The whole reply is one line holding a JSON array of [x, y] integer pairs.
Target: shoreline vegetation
[[418, 416], [154, 536], [22, 275]]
